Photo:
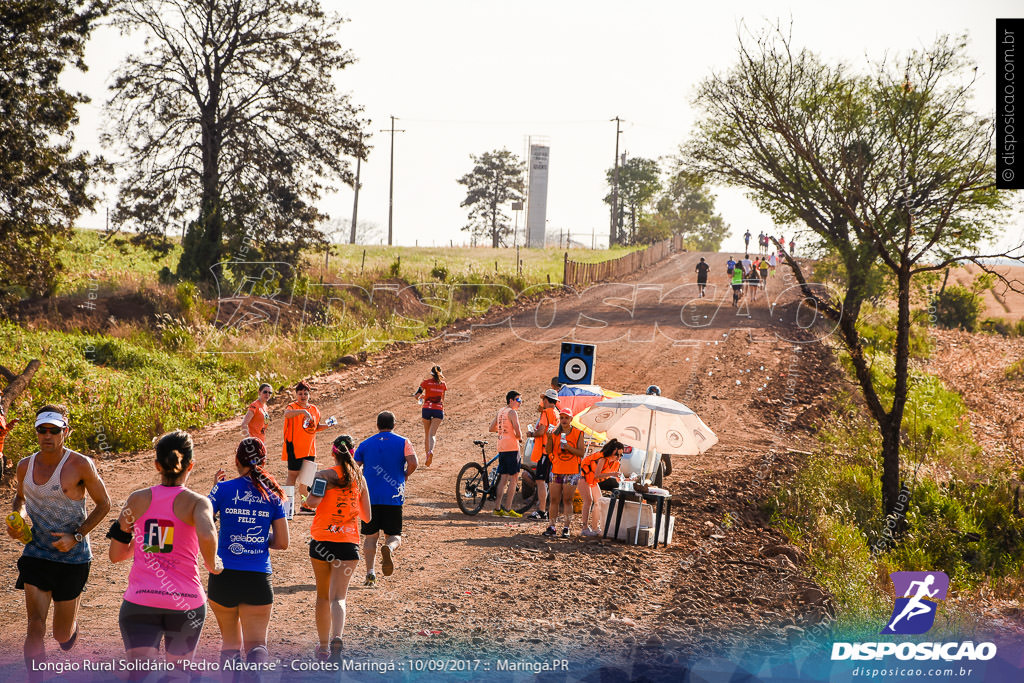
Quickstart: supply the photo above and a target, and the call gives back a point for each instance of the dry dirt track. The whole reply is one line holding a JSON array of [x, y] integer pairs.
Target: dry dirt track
[[491, 586]]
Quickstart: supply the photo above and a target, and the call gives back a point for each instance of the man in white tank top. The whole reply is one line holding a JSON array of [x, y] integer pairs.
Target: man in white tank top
[[54, 567]]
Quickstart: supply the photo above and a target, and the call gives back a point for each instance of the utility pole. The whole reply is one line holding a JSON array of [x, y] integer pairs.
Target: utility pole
[[613, 237], [355, 201], [391, 186]]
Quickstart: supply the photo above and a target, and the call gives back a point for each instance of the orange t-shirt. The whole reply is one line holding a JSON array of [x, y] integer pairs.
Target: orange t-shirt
[[548, 417], [433, 394], [337, 515], [258, 423], [589, 470], [564, 462], [303, 441]]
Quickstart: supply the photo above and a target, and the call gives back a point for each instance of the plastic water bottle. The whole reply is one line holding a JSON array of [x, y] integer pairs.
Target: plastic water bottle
[[15, 521], [308, 423], [420, 400], [331, 421]]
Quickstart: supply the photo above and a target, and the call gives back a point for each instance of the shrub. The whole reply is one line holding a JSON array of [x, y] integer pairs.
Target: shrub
[[958, 307], [439, 272]]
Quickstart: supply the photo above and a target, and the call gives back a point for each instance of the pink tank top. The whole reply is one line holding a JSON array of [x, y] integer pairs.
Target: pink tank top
[[165, 569]]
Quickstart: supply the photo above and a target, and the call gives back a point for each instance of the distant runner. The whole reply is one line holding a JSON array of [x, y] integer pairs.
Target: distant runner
[[702, 275], [433, 389], [746, 241], [737, 285]]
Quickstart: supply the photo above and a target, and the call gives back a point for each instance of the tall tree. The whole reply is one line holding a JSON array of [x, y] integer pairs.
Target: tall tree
[[44, 185], [495, 181], [686, 207], [891, 170], [639, 182], [231, 116]]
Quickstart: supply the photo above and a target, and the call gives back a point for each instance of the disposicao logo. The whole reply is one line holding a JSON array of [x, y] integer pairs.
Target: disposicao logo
[[917, 597]]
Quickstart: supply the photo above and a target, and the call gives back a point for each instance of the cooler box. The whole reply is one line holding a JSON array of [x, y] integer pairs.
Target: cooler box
[[634, 514]]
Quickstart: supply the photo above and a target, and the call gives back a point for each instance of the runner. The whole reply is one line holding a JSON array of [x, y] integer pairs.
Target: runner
[[301, 424], [387, 460], [433, 389], [54, 566], [772, 262], [764, 274], [5, 428], [506, 424], [702, 275], [565, 447], [730, 265], [164, 529], [746, 241], [547, 421], [752, 280], [334, 543], [256, 417], [737, 285], [596, 467], [762, 241], [792, 246], [242, 597]]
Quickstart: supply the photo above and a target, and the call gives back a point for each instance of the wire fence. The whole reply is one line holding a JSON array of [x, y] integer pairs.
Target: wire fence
[[576, 273]]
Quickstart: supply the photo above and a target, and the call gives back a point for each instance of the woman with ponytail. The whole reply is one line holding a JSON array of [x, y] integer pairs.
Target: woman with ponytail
[[252, 521], [432, 388], [341, 498], [165, 529]]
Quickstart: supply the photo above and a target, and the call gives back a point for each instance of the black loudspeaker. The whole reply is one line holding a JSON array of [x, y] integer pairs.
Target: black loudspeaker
[[577, 364]]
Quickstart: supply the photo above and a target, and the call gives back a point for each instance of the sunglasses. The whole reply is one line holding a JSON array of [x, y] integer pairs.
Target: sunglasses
[[49, 430], [518, 399], [266, 391]]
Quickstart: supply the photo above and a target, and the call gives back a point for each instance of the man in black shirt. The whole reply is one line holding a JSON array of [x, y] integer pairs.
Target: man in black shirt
[[702, 275]]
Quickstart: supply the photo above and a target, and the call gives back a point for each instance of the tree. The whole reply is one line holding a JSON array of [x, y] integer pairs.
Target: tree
[[686, 207], [495, 181], [231, 116], [44, 186], [891, 170], [639, 182]]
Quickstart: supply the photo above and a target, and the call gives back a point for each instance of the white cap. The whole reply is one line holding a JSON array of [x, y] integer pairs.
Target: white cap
[[51, 418]]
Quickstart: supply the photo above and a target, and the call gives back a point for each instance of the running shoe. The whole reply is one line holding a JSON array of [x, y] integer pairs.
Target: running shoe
[[371, 580], [550, 531], [387, 563], [565, 532], [591, 533], [323, 653], [498, 512], [536, 514], [335, 651], [513, 513]]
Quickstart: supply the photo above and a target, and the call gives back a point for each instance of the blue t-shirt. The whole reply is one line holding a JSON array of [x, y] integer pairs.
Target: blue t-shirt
[[383, 458], [245, 520]]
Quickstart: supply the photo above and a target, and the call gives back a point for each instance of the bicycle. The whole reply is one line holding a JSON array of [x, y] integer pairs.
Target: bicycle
[[477, 484]]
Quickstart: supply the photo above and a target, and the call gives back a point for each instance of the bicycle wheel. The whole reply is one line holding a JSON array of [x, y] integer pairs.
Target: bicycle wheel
[[471, 488]]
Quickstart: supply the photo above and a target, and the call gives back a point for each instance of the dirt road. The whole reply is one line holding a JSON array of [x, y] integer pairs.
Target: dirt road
[[486, 586]]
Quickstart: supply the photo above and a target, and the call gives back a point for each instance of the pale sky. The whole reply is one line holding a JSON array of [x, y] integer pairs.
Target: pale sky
[[465, 77]]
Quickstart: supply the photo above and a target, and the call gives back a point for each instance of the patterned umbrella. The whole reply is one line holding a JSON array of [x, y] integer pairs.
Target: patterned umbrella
[[652, 423]]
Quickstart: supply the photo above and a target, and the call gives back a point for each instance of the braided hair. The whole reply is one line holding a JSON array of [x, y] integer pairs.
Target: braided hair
[[252, 453]]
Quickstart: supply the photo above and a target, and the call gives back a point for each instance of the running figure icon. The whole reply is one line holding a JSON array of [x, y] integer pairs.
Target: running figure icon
[[917, 597]]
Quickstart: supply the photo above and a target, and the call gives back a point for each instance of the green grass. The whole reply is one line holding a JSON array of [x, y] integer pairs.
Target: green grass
[[959, 517], [91, 262], [414, 264]]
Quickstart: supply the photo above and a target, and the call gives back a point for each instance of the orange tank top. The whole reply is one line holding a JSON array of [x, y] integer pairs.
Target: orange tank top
[[507, 440], [548, 417], [337, 515], [564, 462], [258, 423]]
